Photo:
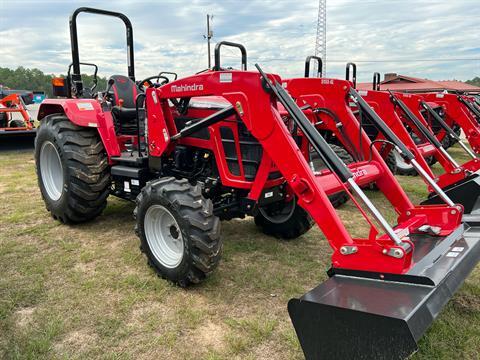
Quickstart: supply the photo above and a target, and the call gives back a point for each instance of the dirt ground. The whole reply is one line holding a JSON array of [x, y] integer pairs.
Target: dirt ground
[[85, 291]]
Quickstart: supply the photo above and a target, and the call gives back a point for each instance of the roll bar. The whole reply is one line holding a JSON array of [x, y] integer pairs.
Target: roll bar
[[353, 66], [230, 44], [76, 76], [319, 61], [376, 81]]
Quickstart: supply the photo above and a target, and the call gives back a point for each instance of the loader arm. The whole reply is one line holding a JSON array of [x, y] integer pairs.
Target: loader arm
[[381, 103], [454, 172], [457, 113]]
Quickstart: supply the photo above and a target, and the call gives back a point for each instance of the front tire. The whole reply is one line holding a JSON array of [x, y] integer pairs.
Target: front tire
[[177, 229], [402, 167], [72, 170]]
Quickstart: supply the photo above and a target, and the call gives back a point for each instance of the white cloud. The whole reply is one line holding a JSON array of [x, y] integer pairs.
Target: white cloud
[[278, 34]]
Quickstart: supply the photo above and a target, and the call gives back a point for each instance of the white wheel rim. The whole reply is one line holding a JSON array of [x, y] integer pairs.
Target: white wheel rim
[[51, 170], [402, 164], [163, 236]]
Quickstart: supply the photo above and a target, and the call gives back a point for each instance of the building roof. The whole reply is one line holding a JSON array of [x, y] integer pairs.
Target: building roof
[[405, 83]]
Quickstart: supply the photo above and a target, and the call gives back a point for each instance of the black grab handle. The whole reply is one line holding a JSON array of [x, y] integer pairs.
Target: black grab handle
[[231, 44], [353, 66], [95, 71], [319, 61], [376, 81]]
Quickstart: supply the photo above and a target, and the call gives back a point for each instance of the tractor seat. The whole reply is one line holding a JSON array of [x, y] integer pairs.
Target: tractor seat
[[125, 116], [124, 88]]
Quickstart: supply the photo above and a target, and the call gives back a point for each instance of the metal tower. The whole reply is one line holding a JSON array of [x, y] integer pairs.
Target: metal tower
[[321, 40]]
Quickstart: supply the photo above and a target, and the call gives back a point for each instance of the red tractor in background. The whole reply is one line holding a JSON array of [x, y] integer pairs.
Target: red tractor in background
[[232, 143], [404, 114]]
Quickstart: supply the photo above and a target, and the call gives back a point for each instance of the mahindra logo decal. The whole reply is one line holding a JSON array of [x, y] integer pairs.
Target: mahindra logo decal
[[181, 88], [359, 173]]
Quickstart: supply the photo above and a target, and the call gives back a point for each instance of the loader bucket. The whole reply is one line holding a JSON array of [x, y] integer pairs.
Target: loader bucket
[[465, 192], [17, 139], [360, 315]]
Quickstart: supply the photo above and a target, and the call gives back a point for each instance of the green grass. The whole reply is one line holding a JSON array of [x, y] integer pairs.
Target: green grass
[[85, 291]]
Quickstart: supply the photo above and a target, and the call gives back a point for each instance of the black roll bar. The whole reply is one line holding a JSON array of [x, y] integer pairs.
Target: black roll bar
[[230, 44], [319, 61], [353, 66], [76, 76], [376, 81]]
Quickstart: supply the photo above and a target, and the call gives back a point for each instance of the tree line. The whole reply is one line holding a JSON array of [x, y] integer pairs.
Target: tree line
[[36, 80], [475, 81]]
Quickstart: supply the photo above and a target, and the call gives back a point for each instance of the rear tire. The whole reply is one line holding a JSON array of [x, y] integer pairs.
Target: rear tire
[[72, 169], [177, 229], [289, 227]]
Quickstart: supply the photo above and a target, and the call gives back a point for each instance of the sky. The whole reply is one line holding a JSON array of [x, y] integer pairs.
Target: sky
[[426, 38]]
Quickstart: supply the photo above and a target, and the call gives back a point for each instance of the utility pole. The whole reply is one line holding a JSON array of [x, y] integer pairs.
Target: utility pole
[[208, 37], [321, 40]]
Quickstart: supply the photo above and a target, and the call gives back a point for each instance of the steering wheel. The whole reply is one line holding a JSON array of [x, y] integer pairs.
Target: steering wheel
[[147, 82]]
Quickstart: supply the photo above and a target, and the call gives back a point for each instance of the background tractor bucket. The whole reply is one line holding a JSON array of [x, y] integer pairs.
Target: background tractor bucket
[[16, 134], [17, 139], [359, 316], [465, 192]]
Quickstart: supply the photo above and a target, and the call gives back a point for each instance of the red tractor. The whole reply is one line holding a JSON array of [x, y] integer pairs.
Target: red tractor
[[406, 116], [232, 143]]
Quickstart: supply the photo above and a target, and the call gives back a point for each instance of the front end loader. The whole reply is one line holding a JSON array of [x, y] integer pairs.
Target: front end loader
[[226, 143], [12, 126], [455, 113], [402, 114]]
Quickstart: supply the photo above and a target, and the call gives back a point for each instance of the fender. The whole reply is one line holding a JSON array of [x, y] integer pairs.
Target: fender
[[85, 113]]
